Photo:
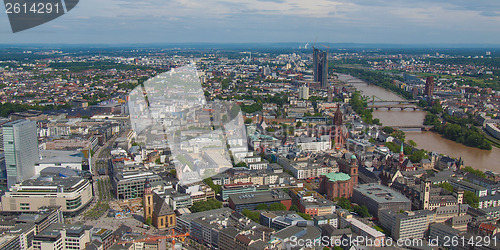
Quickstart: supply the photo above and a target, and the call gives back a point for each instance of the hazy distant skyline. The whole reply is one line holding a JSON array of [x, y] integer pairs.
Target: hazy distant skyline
[[268, 21]]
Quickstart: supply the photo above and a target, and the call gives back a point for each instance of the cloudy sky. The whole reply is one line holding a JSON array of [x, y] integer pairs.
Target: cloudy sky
[[237, 21]]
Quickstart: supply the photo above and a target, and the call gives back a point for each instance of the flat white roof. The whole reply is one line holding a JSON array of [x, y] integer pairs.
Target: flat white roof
[[369, 230]]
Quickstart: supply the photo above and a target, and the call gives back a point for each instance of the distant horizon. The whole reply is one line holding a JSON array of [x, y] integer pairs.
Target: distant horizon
[[258, 45]]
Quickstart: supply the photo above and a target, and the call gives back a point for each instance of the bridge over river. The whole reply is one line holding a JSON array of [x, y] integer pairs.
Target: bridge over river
[[413, 127], [411, 123], [397, 105]]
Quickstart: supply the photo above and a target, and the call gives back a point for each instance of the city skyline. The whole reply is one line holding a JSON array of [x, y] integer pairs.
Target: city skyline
[[268, 21], [119, 148]]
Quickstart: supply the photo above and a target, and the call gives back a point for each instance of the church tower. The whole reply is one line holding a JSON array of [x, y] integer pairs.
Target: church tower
[[425, 194], [460, 196], [338, 134], [353, 170], [148, 201]]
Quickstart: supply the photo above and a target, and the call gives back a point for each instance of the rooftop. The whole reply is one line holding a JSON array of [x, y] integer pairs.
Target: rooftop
[[259, 197], [55, 182], [321, 202], [6, 238], [326, 217], [161, 208], [225, 211], [59, 156], [307, 232], [129, 175], [54, 230], [230, 231], [369, 230], [408, 214], [496, 196], [58, 171], [467, 184], [472, 176], [487, 227], [445, 228], [21, 228], [491, 209], [337, 177], [380, 193], [17, 122], [332, 231], [452, 209], [238, 185]]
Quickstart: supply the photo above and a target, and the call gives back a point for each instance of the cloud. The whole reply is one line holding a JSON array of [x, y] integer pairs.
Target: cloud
[[206, 8], [362, 10], [274, 1], [491, 13], [281, 20]]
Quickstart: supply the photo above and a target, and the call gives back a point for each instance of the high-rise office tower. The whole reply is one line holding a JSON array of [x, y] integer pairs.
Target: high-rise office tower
[[2, 122], [320, 67], [330, 95], [266, 71], [304, 92], [21, 150], [429, 86]]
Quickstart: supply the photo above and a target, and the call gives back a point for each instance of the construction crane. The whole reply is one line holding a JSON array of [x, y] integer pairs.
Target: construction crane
[[327, 49], [173, 236]]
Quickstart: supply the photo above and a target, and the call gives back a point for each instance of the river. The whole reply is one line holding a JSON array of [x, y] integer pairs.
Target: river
[[430, 141]]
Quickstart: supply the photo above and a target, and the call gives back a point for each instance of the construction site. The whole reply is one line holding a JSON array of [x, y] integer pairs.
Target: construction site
[[119, 209]]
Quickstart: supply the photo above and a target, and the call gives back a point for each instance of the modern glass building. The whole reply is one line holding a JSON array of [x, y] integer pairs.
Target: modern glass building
[[320, 67], [21, 150]]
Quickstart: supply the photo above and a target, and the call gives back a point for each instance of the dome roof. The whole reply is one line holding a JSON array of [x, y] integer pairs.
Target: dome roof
[[337, 176]]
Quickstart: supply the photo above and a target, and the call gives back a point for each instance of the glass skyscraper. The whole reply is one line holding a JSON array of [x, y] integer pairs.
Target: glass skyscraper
[[21, 150], [320, 67]]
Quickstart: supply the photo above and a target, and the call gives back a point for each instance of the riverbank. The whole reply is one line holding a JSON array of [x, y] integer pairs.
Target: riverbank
[[461, 130], [430, 141], [494, 141], [378, 79], [455, 129], [474, 157]]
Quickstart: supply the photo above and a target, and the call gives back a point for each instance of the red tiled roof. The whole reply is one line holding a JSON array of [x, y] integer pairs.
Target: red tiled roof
[[244, 239], [121, 159], [487, 227]]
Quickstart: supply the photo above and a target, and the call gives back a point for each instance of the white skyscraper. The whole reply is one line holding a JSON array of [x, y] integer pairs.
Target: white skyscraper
[[21, 150], [304, 92]]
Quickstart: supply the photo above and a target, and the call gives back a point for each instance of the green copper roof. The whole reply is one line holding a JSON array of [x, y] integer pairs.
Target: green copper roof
[[338, 177], [353, 157]]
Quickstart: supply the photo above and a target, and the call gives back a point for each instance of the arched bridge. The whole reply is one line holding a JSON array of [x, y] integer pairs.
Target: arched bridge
[[404, 106]]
